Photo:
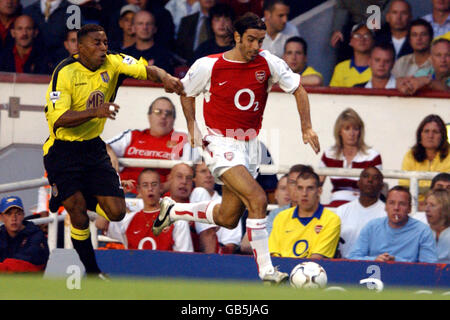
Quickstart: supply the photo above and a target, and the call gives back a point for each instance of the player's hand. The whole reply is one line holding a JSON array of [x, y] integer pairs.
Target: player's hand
[[107, 110], [173, 84], [309, 136]]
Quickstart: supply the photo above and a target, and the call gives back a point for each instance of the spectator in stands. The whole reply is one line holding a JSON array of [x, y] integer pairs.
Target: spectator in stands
[[381, 62], [282, 193], [23, 246], [212, 239], [441, 181], [295, 55], [221, 18], [437, 77], [439, 18], [438, 216], [25, 56], [355, 70], [313, 231], [398, 18], [278, 28], [71, 42], [349, 151], [180, 9], [135, 230], [160, 141], [146, 45], [9, 10], [51, 18], [430, 152], [128, 34], [346, 14], [241, 7], [194, 29], [384, 239], [165, 33], [355, 214], [420, 35]]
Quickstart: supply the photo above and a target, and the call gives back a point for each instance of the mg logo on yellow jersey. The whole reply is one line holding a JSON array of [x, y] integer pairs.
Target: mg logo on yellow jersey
[[95, 99]]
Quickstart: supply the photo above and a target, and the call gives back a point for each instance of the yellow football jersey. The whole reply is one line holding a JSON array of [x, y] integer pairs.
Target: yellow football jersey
[[75, 87], [297, 237], [345, 74]]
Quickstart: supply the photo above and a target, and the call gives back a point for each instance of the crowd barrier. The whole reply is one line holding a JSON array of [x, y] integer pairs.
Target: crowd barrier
[[53, 219]]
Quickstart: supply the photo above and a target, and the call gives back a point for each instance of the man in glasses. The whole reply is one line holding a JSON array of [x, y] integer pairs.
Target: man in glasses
[[160, 141]]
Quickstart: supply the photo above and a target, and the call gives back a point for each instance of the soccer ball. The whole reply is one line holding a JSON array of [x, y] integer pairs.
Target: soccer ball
[[308, 275]]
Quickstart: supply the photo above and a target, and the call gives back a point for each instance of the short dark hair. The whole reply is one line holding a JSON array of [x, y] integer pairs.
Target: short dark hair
[[385, 46], [401, 189], [299, 40], [147, 170], [310, 174], [424, 23], [248, 21], [222, 10], [443, 176], [68, 31], [88, 28], [162, 98], [299, 168], [269, 4]]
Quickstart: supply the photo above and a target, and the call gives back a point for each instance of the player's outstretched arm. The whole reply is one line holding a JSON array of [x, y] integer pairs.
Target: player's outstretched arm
[[308, 134], [170, 83], [72, 118], [195, 136]]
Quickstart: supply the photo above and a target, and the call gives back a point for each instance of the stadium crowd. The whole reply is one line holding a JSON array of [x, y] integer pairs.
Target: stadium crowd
[[404, 54]]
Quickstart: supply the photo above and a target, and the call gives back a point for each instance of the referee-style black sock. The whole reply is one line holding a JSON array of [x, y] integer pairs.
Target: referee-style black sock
[[82, 244]]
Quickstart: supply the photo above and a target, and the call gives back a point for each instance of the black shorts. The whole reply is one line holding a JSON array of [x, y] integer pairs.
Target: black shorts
[[82, 166]]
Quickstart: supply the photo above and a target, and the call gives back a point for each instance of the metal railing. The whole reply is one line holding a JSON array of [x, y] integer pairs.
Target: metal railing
[[54, 218]]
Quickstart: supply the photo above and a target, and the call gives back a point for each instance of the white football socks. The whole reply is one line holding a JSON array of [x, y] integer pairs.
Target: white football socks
[[198, 212], [259, 241]]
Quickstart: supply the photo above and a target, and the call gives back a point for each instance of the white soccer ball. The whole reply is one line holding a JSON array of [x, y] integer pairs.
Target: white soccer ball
[[308, 275]]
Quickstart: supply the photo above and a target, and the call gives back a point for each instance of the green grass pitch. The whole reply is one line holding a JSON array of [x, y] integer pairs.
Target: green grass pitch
[[30, 287]]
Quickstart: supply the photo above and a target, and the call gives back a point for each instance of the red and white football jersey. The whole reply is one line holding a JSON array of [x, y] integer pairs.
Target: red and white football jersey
[[142, 145], [135, 232], [235, 93]]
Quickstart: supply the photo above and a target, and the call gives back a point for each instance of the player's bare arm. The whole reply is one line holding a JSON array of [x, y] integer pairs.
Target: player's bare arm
[[170, 83], [72, 118], [308, 134], [188, 104]]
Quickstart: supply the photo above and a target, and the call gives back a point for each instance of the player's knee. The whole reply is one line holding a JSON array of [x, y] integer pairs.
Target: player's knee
[[258, 201], [116, 214]]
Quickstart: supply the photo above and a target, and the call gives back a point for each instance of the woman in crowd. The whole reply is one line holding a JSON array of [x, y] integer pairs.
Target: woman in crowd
[[349, 151], [430, 153], [437, 209]]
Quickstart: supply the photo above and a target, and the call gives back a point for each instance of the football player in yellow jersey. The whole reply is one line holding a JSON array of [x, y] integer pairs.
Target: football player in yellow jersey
[[79, 100], [308, 230]]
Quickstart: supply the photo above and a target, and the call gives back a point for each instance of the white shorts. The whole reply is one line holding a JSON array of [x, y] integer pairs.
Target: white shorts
[[223, 153]]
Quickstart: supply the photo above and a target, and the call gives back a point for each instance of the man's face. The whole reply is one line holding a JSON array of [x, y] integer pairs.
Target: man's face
[[441, 5], [250, 43], [71, 44], [180, 182], [442, 185], [282, 192], [144, 26], [292, 186], [8, 7], [278, 17], [24, 32], [381, 62], [93, 48], [308, 194], [431, 136], [203, 177], [398, 207], [221, 25], [440, 58], [398, 16], [295, 56], [361, 40], [419, 38], [149, 188], [162, 118], [370, 183], [126, 23], [13, 220]]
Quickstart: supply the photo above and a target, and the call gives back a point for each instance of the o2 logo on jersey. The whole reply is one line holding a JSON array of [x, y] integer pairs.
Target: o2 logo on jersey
[[300, 247], [246, 95], [95, 99]]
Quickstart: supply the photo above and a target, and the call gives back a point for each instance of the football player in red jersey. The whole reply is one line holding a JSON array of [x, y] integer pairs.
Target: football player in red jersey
[[235, 85]]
